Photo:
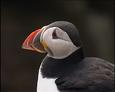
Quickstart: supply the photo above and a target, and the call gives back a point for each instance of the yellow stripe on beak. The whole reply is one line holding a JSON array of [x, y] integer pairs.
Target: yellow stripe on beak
[[47, 48], [44, 44]]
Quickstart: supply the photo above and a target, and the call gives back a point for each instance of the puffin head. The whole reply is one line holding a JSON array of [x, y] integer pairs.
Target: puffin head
[[58, 39]]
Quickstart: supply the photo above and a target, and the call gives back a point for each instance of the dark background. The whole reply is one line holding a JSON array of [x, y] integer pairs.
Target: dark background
[[19, 68]]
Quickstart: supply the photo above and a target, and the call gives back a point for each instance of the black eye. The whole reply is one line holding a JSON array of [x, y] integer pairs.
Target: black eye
[[54, 35]]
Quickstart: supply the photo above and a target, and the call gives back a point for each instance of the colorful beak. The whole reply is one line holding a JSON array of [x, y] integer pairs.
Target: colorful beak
[[32, 42]]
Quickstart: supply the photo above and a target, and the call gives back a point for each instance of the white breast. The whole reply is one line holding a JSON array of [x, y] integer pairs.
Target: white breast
[[46, 84]]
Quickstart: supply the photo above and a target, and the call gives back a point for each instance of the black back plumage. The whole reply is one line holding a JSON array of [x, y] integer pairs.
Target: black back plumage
[[90, 75]]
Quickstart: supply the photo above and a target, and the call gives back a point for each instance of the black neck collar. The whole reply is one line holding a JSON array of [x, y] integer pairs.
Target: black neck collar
[[57, 67]]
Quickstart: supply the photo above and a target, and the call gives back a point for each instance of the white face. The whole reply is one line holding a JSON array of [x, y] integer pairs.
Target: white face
[[57, 43]]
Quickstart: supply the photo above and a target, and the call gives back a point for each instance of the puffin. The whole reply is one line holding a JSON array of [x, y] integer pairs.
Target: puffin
[[65, 68]]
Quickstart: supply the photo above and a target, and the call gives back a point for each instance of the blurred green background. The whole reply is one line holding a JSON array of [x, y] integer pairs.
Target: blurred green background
[[19, 68]]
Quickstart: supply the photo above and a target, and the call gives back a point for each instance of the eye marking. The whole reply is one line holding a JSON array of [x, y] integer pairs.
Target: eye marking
[[54, 35], [59, 35]]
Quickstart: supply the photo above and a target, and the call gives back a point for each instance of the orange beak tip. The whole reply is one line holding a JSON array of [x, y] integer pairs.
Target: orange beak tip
[[23, 47], [27, 48]]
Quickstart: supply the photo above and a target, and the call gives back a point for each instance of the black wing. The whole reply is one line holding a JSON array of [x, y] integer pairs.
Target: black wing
[[91, 75]]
